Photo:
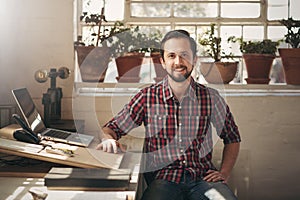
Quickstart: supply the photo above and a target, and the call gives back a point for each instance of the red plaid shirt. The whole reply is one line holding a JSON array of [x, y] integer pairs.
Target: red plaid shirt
[[178, 134]]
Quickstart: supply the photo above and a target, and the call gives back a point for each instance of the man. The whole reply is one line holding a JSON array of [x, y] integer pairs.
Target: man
[[177, 114]]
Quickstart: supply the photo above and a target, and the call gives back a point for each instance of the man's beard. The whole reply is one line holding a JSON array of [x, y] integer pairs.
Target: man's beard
[[180, 78]]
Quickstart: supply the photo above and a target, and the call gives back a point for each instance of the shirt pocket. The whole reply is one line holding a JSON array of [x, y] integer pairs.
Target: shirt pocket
[[161, 131]]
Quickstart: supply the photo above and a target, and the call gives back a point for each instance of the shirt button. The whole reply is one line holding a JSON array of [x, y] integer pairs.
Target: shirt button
[[181, 150], [180, 140], [183, 162]]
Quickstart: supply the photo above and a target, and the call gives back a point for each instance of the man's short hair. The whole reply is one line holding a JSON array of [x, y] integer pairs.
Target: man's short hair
[[178, 34]]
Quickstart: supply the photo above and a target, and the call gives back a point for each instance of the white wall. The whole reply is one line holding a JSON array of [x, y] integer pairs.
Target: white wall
[[34, 34], [268, 164]]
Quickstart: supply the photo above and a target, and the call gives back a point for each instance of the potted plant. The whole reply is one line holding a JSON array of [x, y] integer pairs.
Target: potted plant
[[127, 45], [93, 56], [291, 56], [258, 57], [219, 71], [129, 49]]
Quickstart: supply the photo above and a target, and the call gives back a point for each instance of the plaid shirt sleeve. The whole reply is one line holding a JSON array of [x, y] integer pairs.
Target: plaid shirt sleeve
[[223, 120], [131, 116]]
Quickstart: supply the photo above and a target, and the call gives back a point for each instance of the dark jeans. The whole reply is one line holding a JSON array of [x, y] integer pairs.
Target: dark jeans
[[187, 189]]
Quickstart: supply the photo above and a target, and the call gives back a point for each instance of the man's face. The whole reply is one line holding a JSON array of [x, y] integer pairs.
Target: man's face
[[178, 59]]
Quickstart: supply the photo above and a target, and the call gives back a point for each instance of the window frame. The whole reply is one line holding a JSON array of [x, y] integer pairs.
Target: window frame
[[173, 21]]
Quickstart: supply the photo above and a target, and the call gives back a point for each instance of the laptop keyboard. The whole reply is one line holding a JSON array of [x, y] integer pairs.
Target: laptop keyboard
[[57, 134]]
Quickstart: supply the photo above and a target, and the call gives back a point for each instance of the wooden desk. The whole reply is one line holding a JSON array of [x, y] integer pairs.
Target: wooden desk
[[84, 158]]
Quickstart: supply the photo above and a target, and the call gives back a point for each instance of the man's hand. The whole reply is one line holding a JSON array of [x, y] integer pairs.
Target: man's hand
[[215, 176], [110, 145]]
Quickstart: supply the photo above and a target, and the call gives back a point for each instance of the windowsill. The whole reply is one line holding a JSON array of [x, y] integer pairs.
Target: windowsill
[[234, 90], [262, 90]]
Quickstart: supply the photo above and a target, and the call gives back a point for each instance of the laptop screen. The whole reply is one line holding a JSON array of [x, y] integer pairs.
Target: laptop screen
[[28, 109]]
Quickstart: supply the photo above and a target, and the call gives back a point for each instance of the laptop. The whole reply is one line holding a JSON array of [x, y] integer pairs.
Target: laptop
[[34, 120]]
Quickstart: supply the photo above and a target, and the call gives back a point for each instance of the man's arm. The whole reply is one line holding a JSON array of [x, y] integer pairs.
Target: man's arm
[[230, 154], [129, 117], [108, 133]]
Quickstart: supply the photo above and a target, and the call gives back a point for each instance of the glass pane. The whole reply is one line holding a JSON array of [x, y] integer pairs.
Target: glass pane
[[190, 29], [253, 33], [114, 10], [202, 49], [276, 32], [198, 33], [150, 9], [94, 7], [195, 10], [228, 31], [201, 30], [154, 29], [295, 5], [240, 10], [277, 9]]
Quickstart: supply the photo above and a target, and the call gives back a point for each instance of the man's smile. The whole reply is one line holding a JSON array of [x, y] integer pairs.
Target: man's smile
[[180, 69]]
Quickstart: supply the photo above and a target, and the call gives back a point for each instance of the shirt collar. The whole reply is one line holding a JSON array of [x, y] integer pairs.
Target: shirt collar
[[167, 91]]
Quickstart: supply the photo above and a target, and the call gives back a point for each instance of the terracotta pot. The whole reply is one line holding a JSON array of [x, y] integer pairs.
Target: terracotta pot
[[258, 67], [257, 80], [291, 65], [129, 67], [93, 62], [218, 72], [159, 70]]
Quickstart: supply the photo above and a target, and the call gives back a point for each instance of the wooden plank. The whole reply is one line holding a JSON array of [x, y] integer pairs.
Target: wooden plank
[[87, 179], [83, 157]]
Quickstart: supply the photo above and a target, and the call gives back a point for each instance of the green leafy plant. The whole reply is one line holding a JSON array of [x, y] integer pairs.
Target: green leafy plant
[[134, 40], [101, 34], [265, 46], [153, 41], [130, 41], [120, 38], [293, 35], [213, 44]]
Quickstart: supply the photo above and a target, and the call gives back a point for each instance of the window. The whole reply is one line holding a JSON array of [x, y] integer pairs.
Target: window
[[251, 19]]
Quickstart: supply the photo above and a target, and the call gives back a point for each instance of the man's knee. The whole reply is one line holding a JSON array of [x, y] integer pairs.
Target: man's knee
[[211, 191]]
